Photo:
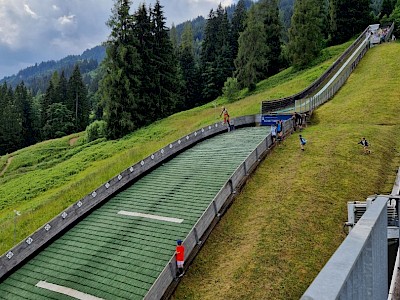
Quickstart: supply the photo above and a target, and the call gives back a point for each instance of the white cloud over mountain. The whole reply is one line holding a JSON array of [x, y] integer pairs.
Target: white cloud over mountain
[[40, 30]]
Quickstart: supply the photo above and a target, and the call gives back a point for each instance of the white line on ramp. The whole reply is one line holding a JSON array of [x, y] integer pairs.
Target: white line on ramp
[[66, 291], [154, 217]]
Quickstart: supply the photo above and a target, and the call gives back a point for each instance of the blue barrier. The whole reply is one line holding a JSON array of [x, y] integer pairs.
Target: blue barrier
[[268, 120]]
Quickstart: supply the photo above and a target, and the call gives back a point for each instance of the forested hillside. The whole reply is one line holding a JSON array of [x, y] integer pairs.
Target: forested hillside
[[150, 71], [37, 77]]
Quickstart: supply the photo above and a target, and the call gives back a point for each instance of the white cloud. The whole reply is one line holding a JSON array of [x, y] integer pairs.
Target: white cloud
[[29, 11], [65, 20], [56, 28]]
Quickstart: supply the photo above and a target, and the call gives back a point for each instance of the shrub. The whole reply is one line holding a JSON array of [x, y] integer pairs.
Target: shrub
[[231, 89], [95, 130]]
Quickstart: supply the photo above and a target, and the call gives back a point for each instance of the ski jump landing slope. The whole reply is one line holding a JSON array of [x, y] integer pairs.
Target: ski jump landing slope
[[119, 250]]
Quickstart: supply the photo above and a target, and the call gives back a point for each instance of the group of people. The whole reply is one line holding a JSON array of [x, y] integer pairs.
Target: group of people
[[277, 131]]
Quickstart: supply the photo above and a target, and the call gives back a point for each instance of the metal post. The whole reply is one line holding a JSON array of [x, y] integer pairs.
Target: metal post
[[16, 213]]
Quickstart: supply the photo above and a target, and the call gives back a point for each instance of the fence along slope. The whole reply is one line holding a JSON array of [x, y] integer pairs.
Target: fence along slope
[[274, 105], [137, 282]]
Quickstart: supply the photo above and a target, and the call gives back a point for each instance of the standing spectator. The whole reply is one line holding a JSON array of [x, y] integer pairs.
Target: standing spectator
[[303, 141], [180, 257], [365, 145], [226, 116], [279, 129], [273, 133], [297, 119]]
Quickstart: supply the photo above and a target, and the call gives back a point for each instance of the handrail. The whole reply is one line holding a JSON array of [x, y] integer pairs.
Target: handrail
[[277, 104]]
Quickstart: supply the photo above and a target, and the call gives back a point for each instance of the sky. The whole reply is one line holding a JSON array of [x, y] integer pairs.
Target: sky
[[32, 31]]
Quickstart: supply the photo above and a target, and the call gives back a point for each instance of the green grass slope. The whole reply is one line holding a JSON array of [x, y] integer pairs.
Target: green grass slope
[[287, 221], [44, 179]]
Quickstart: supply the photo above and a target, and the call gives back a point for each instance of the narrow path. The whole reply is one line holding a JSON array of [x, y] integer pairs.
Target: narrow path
[[73, 141], [9, 160]]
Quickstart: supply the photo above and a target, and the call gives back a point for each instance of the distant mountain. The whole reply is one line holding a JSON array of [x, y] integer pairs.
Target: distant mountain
[[37, 77]]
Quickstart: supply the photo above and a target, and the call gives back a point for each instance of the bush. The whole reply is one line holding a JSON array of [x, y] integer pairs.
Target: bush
[[231, 89], [95, 131]]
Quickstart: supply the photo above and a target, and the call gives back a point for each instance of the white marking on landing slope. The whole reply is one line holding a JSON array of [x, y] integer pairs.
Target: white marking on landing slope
[[154, 217], [66, 291]]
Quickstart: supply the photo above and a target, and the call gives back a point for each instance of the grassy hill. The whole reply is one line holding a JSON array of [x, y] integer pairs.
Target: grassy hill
[[285, 225], [288, 220]]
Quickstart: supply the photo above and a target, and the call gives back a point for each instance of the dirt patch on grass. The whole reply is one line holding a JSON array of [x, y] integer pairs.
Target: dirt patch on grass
[[73, 141], [9, 160]]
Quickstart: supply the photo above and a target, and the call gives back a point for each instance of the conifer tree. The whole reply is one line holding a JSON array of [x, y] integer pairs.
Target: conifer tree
[[166, 78], [62, 89], [387, 7], [238, 21], [250, 62], [269, 12], [10, 127], [143, 33], [78, 102], [46, 101], [216, 57], [189, 68], [23, 103], [348, 18], [120, 85], [305, 33]]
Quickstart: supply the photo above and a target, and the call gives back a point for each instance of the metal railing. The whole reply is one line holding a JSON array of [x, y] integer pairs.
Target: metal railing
[[335, 83], [301, 103], [359, 267], [273, 105]]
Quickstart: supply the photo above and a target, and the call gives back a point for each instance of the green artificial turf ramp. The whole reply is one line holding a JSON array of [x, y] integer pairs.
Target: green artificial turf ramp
[[115, 256]]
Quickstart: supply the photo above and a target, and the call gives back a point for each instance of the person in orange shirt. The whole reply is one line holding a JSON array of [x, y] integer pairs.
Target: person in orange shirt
[[180, 257], [226, 116]]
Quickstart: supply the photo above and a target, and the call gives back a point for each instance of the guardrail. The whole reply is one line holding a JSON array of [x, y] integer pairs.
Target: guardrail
[[359, 267], [336, 82], [33, 243], [198, 233], [272, 105]]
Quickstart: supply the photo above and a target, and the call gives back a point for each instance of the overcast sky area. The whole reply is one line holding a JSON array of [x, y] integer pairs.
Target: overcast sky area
[[32, 31]]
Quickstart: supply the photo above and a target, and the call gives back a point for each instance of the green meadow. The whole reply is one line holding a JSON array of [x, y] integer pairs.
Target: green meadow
[[286, 222]]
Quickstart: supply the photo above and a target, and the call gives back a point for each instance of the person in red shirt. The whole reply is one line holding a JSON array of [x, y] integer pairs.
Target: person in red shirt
[[180, 257]]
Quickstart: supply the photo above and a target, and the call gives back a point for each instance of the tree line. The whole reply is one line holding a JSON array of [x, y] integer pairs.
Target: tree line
[[25, 120], [151, 72]]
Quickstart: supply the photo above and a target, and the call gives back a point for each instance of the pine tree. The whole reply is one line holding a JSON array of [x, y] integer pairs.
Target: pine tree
[[120, 85], [305, 33], [46, 101], [250, 62], [238, 21], [11, 126], [387, 7], [23, 103], [216, 56], [78, 102], [269, 12], [166, 78], [348, 18], [190, 70], [61, 89]]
